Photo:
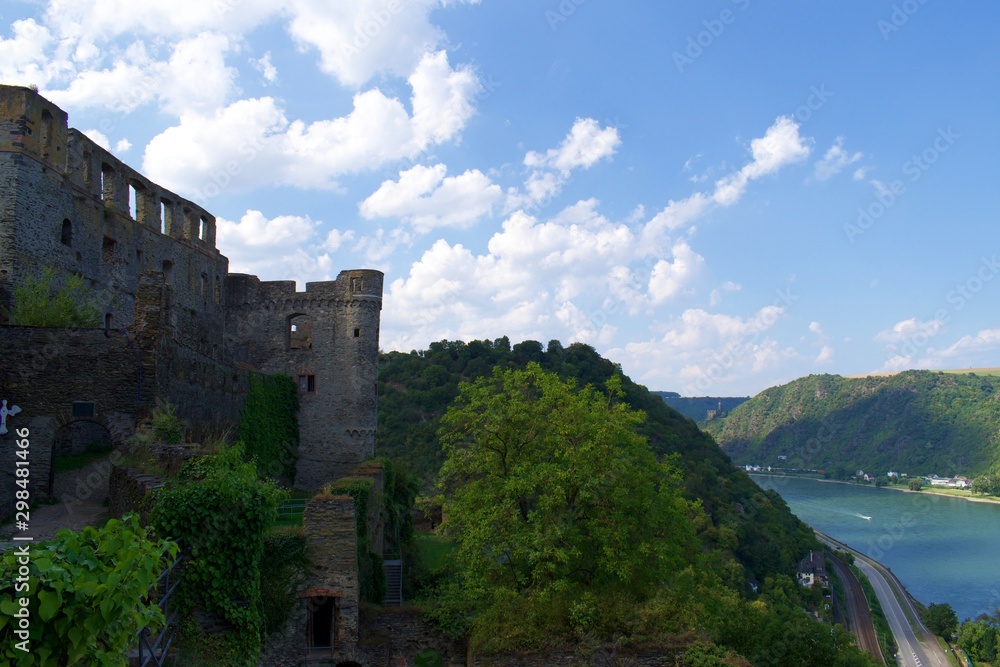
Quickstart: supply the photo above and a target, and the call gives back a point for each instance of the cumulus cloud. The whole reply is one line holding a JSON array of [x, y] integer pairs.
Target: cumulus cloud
[[426, 198], [699, 351], [265, 67], [669, 279], [23, 58], [780, 145], [978, 351], [585, 145], [834, 161], [281, 248], [251, 143]]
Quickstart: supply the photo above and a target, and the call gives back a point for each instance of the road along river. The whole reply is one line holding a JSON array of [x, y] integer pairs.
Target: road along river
[[942, 549]]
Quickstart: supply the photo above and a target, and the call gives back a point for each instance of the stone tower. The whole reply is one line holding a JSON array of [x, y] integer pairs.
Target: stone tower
[[327, 339]]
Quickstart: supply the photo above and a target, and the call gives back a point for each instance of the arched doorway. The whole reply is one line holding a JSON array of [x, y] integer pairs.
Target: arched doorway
[[76, 447]]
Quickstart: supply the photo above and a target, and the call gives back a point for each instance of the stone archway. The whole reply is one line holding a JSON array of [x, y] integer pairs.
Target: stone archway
[[75, 445]]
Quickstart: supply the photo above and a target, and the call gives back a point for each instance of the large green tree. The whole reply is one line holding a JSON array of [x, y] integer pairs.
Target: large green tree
[[551, 489], [941, 619]]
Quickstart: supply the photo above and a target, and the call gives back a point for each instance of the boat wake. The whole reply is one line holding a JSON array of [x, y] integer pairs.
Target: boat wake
[[862, 516]]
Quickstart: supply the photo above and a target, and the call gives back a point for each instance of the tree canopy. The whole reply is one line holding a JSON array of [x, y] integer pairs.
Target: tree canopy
[[550, 487]]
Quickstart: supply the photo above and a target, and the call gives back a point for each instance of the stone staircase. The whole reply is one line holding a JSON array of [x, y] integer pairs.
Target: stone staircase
[[393, 582]]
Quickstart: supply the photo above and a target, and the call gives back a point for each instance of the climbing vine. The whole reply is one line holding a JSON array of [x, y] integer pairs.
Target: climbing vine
[[86, 595], [269, 426], [221, 511]]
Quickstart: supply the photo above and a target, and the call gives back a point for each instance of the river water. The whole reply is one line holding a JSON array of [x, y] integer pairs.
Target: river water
[[942, 549]]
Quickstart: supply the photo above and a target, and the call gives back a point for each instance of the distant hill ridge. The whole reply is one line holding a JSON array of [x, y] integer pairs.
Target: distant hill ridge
[[700, 408], [919, 422]]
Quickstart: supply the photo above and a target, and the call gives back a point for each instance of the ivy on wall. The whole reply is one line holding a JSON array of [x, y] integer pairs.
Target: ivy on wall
[[221, 511], [269, 426]]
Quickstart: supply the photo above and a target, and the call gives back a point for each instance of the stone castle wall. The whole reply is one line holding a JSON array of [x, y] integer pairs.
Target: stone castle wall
[[45, 371], [68, 204]]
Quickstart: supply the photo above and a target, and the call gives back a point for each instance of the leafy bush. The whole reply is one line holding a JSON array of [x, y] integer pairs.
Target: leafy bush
[[221, 511], [40, 302], [167, 427], [87, 595], [281, 567]]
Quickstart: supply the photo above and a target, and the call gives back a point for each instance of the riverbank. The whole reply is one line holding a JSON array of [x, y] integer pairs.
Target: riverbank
[[948, 493]]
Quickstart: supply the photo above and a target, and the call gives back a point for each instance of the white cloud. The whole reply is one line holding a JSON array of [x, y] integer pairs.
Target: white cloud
[[834, 161], [701, 352], [377, 248], [196, 78], [586, 144], [279, 248], [669, 279], [442, 99], [128, 84], [860, 173], [913, 331], [90, 21], [265, 67], [98, 138], [816, 328], [251, 143], [23, 56], [358, 40], [825, 355], [425, 198], [716, 296], [123, 145], [780, 145], [978, 351]]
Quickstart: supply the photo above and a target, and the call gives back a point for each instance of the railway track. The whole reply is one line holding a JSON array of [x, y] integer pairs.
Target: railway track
[[859, 617]]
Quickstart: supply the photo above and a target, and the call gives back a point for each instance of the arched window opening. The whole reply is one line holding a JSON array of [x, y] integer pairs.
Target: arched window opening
[[67, 233], [299, 332]]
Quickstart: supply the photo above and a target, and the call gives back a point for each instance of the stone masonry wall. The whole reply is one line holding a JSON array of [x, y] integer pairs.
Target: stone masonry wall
[[335, 342], [45, 371], [332, 544], [68, 204]]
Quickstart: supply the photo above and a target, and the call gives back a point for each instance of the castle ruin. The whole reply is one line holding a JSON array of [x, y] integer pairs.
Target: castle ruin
[[176, 324]]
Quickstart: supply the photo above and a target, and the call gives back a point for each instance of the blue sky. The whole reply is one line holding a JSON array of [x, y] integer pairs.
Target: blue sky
[[720, 196]]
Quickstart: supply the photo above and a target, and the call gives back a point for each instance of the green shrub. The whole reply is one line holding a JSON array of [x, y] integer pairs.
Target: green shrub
[[221, 511], [281, 568], [87, 595], [167, 427], [39, 301]]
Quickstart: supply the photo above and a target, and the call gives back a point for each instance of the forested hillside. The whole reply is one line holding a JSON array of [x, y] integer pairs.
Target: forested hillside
[[737, 589], [917, 422], [416, 388]]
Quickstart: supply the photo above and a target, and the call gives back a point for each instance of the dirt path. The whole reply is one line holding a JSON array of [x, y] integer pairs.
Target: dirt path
[[81, 495]]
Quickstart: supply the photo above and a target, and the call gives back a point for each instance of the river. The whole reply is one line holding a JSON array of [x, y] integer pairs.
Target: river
[[942, 549]]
